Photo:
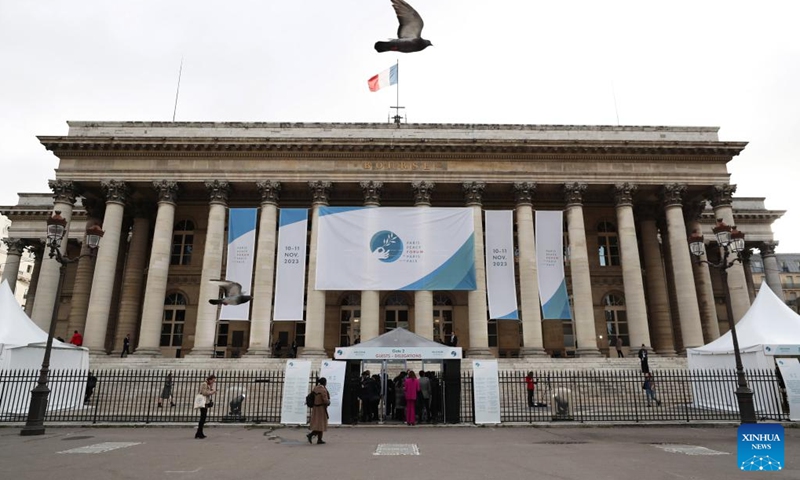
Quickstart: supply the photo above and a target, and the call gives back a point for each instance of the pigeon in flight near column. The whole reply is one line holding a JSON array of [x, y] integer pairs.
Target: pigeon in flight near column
[[408, 33], [232, 293]]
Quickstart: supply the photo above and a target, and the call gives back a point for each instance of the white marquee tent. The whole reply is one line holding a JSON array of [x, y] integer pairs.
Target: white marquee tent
[[398, 344], [22, 346], [767, 324]]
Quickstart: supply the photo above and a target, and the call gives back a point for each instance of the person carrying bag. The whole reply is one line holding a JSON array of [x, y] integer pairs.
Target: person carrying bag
[[203, 402]]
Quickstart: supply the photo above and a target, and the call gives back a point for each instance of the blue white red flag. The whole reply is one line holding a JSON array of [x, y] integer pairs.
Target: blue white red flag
[[386, 78]]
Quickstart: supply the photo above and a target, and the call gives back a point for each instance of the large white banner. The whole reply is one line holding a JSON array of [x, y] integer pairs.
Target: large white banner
[[486, 386], [790, 372], [373, 248], [550, 265], [290, 274], [295, 389], [241, 253], [333, 372], [500, 286]]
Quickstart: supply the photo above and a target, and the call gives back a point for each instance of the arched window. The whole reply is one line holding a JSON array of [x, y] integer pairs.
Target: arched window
[[442, 317], [182, 242], [396, 312], [616, 318], [174, 320], [607, 244], [350, 319]]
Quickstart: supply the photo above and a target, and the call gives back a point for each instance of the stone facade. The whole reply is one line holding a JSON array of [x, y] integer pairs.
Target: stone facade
[[630, 196]]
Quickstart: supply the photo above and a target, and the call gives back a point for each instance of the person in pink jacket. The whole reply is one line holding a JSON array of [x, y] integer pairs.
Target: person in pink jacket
[[412, 388]]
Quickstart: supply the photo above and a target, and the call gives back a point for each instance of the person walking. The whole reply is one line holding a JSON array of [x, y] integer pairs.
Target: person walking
[[411, 389], [166, 392], [206, 390], [319, 412], [643, 359], [619, 347], [649, 387], [126, 346], [530, 386]]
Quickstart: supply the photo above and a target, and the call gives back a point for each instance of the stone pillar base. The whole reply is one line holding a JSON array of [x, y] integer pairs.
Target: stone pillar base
[[313, 353], [147, 352], [259, 352], [529, 352], [201, 352], [667, 353], [480, 353], [588, 352]]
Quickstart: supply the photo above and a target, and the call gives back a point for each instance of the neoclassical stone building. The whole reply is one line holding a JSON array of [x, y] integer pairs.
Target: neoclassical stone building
[[630, 196]]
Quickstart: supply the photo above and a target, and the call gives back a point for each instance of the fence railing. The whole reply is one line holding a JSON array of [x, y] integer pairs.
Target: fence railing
[[614, 396]]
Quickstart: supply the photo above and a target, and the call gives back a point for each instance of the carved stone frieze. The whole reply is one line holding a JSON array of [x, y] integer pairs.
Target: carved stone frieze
[[372, 192], [218, 191], [573, 192], [473, 192], [167, 191], [672, 194], [623, 194], [320, 191], [270, 191], [64, 191], [115, 191], [722, 195], [524, 192], [422, 192]]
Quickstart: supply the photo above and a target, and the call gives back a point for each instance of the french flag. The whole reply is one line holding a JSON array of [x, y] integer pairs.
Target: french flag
[[386, 78]]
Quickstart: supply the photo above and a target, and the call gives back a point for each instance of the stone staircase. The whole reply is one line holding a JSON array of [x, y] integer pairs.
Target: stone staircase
[[133, 362]]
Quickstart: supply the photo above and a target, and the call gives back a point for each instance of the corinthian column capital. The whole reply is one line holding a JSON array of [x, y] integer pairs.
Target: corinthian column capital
[[767, 248], [623, 194], [524, 192], [270, 191], [167, 191], [672, 194], [573, 193], [422, 192], [64, 191], [372, 192], [115, 191], [473, 192], [218, 191], [722, 195], [320, 191], [15, 246]]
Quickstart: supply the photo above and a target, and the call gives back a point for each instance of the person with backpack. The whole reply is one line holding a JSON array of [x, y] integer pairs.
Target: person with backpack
[[319, 412]]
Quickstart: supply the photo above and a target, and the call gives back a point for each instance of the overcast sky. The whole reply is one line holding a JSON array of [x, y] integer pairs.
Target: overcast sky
[[723, 63]]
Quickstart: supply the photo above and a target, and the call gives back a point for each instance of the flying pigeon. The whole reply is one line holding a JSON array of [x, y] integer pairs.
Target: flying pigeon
[[232, 293], [408, 33]]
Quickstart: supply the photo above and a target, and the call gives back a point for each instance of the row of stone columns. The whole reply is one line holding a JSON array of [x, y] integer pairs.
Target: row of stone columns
[[94, 283]]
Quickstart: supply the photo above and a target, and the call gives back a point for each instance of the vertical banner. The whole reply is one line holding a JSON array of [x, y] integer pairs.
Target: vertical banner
[[790, 372], [550, 263], [290, 275], [500, 287], [241, 253], [295, 388], [487, 391], [333, 372]]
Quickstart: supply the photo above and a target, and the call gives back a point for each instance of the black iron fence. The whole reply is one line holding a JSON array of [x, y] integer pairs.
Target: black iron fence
[[611, 396]]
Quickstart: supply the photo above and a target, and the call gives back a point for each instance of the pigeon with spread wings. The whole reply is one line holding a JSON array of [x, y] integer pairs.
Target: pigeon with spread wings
[[408, 33], [232, 293]]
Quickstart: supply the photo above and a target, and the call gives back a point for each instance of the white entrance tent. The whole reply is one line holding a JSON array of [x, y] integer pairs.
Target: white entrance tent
[[22, 346], [398, 344], [767, 324]]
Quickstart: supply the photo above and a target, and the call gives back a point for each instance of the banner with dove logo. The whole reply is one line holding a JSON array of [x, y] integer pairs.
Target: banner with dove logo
[[395, 248], [241, 253], [550, 263], [290, 271]]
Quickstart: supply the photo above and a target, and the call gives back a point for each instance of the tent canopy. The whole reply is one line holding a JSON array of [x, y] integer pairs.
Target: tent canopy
[[398, 344], [768, 322]]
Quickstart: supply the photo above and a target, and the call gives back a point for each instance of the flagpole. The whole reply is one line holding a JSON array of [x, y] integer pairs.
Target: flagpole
[[180, 71], [397, 64]]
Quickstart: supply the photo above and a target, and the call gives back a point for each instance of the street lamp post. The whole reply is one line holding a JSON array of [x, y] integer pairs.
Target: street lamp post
[[56, 228], [731, 241]]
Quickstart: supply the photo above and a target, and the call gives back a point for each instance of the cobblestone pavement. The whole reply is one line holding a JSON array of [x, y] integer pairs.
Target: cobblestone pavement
[[373, 452]]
